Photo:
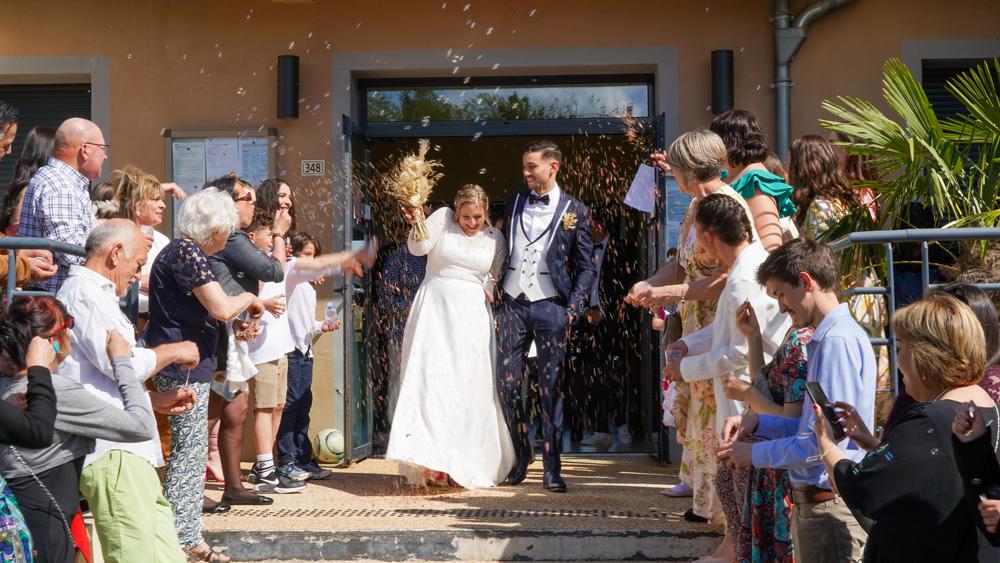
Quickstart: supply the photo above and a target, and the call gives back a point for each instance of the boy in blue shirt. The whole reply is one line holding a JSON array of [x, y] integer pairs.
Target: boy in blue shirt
[[803, 276]]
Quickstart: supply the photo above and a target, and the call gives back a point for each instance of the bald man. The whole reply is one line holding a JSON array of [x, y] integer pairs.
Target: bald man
[[57, 201]]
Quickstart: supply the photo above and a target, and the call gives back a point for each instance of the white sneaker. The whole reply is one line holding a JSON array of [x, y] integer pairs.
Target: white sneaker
[[597, 439], [681, 489], [624, 436]]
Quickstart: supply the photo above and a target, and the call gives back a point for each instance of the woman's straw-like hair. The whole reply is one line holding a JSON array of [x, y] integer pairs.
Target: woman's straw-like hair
[[946, 341], [697, 155], [206, 214], [132, 187], [471, 193]]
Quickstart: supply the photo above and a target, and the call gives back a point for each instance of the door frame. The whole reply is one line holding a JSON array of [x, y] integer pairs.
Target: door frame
[[660, 61]]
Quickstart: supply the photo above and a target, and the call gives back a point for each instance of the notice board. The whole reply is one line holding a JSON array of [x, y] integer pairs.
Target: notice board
[[194, 156]]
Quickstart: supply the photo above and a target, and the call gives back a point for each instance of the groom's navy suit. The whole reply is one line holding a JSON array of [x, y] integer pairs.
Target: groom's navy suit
[[521, 320]]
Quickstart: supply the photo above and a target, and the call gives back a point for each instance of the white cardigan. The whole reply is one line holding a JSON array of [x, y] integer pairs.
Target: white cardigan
[[720, 349]]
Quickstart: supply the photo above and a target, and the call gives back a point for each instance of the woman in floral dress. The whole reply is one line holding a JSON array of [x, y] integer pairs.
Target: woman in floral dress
[[763, 532], [824, 197]]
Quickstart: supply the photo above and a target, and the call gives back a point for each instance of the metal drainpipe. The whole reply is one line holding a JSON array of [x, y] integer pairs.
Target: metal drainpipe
[[788, 38]]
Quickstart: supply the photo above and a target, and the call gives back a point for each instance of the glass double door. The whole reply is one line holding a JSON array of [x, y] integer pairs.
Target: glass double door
[[492, 162]]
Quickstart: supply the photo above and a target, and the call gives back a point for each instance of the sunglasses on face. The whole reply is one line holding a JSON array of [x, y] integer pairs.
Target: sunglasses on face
[[247, 198]]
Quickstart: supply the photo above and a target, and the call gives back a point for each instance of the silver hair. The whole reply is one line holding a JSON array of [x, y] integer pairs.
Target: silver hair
[[205, 215], [109, 232]]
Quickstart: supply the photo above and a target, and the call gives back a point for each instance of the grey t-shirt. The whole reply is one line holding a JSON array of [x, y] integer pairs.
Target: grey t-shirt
[[80, 418]]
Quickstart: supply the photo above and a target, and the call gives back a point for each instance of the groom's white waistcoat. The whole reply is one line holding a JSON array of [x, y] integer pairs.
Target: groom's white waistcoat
[[528, 272]]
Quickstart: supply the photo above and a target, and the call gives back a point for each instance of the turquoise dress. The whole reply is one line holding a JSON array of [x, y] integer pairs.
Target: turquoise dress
[[753, 181], [15, 541]]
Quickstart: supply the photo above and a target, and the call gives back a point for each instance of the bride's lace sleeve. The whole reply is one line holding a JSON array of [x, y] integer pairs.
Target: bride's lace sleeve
[[499, 256], [436, 225]]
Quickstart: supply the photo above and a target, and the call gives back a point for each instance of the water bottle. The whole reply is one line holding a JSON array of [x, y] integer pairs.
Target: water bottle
[[330, 313]]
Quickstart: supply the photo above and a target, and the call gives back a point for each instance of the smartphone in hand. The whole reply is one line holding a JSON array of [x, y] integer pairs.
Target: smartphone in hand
[[816, 394]]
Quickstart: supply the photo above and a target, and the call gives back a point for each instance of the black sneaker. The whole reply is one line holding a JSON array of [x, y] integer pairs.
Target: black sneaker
[[269, 481], [316, 473]]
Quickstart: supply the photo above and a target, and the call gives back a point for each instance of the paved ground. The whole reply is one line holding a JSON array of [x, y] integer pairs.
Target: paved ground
[[612, 493], [613, 511]]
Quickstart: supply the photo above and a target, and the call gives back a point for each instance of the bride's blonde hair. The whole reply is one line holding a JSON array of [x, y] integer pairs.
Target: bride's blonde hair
[[472, 193]]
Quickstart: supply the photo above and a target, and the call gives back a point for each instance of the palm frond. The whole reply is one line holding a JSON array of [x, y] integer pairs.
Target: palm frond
[[977, 91]]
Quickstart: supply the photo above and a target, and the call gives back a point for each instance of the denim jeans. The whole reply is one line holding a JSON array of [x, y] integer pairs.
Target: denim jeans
[[294, 445]]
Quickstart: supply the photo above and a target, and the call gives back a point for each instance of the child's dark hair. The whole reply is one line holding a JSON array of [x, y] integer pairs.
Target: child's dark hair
[[801, 255], [28, 317], [299, 241], [724, 217], [260, 222]]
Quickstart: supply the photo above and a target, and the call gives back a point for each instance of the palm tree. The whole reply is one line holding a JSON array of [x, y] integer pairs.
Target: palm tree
[[951, 167]]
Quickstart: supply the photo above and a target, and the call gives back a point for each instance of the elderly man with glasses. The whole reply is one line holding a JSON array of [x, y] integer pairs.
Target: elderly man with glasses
[[57, 201]]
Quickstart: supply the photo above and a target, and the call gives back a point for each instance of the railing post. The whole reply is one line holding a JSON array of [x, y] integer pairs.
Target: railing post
[[925, 268], [11, 277], [891, 309]]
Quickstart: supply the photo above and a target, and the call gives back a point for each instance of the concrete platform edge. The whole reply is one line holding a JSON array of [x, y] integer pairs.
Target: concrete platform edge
[[465, 545]]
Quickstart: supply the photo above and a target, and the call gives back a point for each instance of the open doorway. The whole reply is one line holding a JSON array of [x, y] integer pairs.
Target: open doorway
[[597, 169]]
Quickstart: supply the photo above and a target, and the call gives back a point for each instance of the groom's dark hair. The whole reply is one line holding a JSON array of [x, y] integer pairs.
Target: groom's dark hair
[[548, 149]]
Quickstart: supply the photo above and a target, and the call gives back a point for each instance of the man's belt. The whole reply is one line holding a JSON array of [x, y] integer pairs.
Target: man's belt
[[811, 494]]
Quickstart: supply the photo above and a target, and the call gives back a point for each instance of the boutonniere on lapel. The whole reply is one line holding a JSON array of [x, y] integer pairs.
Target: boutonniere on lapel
[[569, 221]]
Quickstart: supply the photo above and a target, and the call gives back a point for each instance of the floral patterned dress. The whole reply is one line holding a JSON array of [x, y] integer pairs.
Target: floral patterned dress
[[868, 310], [694, 404], [764, 532], [15, 540]]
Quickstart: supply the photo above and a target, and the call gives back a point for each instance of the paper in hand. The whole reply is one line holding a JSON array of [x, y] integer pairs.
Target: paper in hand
[[642, 192]]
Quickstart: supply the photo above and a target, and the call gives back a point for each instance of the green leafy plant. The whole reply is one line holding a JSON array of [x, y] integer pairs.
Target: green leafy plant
[[951, 167]]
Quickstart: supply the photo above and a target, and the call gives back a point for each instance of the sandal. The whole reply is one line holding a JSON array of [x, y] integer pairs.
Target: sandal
[[205, 553]]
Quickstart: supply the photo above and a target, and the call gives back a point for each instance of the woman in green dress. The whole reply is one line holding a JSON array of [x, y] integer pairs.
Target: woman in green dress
[[768, 195]]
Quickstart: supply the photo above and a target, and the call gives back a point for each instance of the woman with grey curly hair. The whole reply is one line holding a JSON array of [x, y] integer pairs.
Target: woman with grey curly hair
[[186, 302]]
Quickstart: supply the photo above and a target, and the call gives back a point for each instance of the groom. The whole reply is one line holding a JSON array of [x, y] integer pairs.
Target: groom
[[545, 285]]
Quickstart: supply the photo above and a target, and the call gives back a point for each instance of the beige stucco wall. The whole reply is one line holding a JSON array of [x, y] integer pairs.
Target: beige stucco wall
[[210, 64]]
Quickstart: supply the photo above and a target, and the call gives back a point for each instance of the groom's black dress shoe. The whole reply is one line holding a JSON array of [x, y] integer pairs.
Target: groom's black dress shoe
[[515, 476], [553, 483]]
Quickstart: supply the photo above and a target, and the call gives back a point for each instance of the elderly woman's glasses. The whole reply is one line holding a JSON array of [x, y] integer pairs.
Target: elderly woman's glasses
[[247, 198]]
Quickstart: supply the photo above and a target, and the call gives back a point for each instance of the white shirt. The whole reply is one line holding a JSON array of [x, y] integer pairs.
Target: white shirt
[[537, 216], [92, 301], [720, 349], [275, 338], [301, 311], [160, 241]]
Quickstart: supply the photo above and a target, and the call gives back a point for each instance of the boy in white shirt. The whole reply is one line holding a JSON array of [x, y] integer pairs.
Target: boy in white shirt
[[285, 344]]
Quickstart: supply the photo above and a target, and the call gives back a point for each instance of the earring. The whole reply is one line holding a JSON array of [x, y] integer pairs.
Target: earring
[[55, 346]]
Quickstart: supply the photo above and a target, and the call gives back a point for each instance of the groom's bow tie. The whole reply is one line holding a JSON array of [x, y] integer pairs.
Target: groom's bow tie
[[532, 198]]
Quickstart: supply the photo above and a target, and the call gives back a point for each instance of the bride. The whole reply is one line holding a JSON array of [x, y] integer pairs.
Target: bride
[[448, 421]]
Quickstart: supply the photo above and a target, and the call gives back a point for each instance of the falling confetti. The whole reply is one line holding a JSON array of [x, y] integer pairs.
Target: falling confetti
[[489, 31], [291, 45], [532, 12]]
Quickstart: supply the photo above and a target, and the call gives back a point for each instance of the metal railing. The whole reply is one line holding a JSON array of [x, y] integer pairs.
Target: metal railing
[[922, 237], [12, 244]]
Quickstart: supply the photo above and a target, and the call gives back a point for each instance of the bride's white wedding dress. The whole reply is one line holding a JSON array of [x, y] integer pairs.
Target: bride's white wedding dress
[[448, 416]]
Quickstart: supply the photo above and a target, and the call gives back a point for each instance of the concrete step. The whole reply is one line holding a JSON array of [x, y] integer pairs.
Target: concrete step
[[478, 545]]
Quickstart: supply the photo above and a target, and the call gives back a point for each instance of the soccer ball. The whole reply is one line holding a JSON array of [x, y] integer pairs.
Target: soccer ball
[[329, 446]]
